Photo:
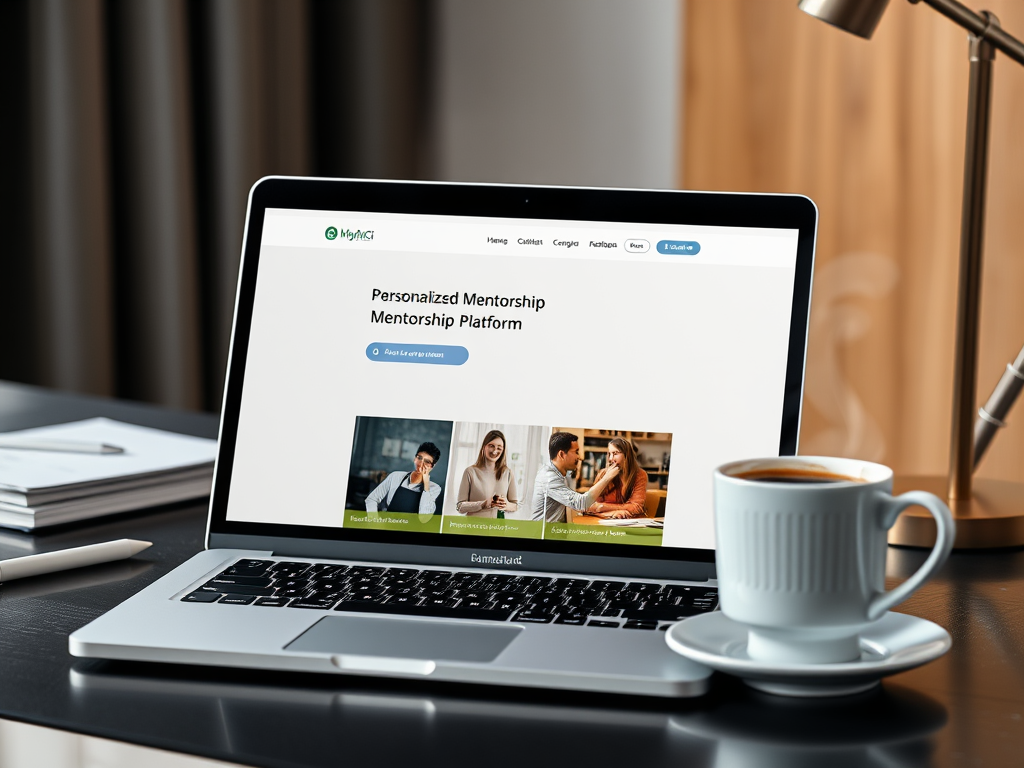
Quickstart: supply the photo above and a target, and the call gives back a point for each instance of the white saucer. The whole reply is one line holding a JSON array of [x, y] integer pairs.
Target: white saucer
[[895, 643]]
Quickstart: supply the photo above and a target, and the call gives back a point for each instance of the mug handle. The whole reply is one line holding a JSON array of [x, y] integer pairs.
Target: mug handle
[[945, 533]]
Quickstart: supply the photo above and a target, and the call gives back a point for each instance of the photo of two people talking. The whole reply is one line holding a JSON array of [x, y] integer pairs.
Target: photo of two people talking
[[618, 490]]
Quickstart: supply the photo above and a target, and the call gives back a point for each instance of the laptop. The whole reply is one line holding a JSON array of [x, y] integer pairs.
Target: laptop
[[468, 431]]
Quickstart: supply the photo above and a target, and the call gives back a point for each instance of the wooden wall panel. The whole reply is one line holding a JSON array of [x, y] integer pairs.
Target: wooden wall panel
[[873, 132]]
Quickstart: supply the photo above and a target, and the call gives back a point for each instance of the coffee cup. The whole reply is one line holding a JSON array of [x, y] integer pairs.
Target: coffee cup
[[801, 546]]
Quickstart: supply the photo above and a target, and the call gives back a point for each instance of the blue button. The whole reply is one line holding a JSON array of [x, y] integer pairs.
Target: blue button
[[679, 247], [424, 354]]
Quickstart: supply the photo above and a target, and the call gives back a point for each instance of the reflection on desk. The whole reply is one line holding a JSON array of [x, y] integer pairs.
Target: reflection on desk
[[879, 728]]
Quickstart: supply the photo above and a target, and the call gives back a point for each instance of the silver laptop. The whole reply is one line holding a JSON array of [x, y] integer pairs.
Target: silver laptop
[[468, 431]]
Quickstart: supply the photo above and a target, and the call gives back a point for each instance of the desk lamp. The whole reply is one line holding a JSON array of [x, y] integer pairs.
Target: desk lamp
[[991, 513]]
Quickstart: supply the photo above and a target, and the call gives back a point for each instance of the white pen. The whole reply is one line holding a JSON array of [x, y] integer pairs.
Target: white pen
[[66, 559], [63, 446]]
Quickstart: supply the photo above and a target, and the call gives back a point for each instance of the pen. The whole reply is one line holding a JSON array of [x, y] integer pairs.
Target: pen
[[64, 446], [65, 559]]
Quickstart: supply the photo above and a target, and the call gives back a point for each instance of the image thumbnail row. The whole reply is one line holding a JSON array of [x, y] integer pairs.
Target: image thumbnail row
[[572, 483]]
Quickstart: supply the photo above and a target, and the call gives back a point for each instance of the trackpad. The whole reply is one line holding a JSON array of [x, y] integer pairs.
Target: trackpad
[[406, 639]]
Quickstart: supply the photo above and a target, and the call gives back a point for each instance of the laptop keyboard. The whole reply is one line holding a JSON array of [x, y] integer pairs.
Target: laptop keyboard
[[457, 595]]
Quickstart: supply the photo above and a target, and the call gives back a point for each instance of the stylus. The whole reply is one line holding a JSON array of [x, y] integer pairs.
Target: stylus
[[66, 559], [63, 446]]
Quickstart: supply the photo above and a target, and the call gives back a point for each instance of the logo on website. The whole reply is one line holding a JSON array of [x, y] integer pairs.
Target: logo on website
[[496, 559], [333, 233]]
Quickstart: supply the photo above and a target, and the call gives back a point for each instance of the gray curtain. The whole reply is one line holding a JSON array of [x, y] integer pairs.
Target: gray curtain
[[133, 132]]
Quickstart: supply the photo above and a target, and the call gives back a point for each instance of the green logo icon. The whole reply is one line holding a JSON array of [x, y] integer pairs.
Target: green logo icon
[[331, 233]]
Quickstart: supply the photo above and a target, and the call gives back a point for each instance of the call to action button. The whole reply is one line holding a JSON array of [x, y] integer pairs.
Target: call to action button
[[636, 245], [679, 247], [424, 354]]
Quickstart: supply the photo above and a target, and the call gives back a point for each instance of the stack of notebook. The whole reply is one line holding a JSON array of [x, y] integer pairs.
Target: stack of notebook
[[67, 472]]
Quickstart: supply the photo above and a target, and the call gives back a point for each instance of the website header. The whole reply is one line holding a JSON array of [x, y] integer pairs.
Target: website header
[[604, 241]]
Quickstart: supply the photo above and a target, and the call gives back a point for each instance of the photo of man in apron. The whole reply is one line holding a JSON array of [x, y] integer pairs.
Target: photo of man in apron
[[409, 491]]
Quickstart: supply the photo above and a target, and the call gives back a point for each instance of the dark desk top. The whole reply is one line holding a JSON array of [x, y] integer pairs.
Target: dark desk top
[[966, 709]]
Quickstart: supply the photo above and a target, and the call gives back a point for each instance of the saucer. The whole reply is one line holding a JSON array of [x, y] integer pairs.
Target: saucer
[[895, 643]]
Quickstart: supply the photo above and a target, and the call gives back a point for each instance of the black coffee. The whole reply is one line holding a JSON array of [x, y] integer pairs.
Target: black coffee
[[793, 476]]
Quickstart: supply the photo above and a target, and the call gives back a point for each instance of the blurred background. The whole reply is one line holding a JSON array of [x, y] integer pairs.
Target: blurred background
[[134, 129]]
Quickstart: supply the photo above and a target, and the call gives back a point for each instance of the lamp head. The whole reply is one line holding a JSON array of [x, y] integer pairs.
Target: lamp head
[[859, 17]]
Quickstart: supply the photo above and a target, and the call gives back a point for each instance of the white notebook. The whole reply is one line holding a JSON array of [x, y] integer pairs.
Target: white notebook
[[155, 467]]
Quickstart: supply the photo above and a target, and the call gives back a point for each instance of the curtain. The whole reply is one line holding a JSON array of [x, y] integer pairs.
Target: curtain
[[133, 131], [874, 133]]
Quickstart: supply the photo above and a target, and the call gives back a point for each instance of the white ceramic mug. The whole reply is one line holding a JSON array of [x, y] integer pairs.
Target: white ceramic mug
[[801, 545]]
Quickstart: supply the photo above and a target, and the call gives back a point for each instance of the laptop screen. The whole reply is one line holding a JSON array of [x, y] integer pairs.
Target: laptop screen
[[544, 384]]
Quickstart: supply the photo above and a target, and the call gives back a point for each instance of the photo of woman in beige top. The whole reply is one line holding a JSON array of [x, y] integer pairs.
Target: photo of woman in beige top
[[488, 488]]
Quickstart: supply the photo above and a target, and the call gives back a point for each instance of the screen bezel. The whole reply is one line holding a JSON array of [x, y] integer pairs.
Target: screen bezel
[[498, 201]]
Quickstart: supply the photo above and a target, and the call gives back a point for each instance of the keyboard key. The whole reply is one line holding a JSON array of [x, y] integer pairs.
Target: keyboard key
[[272, 602], [442, 601], [237, 599], [660, 599], [687, 594], [251, 581], [643, 586], [264, 564], [547, 602], [322, 594], [410, 601], [321, 603], [402, 573], [661, 613], [497, 578], [253, 572], [366, 589], [289, 570], [291, 593], [607, 586], [329, 584], [596, 623], [535, 617], [574, 620], [367, 597], [292, 583], [321, 567], [439, 590], [202, 597], [359, 571], [639, 624], [237, 589]]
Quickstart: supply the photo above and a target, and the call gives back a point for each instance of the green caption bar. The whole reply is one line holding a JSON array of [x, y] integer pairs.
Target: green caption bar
[[603, 534], [492, 526], [392, 521]]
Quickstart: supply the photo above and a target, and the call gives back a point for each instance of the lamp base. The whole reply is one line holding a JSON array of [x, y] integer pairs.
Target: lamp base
[[993, 517]]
